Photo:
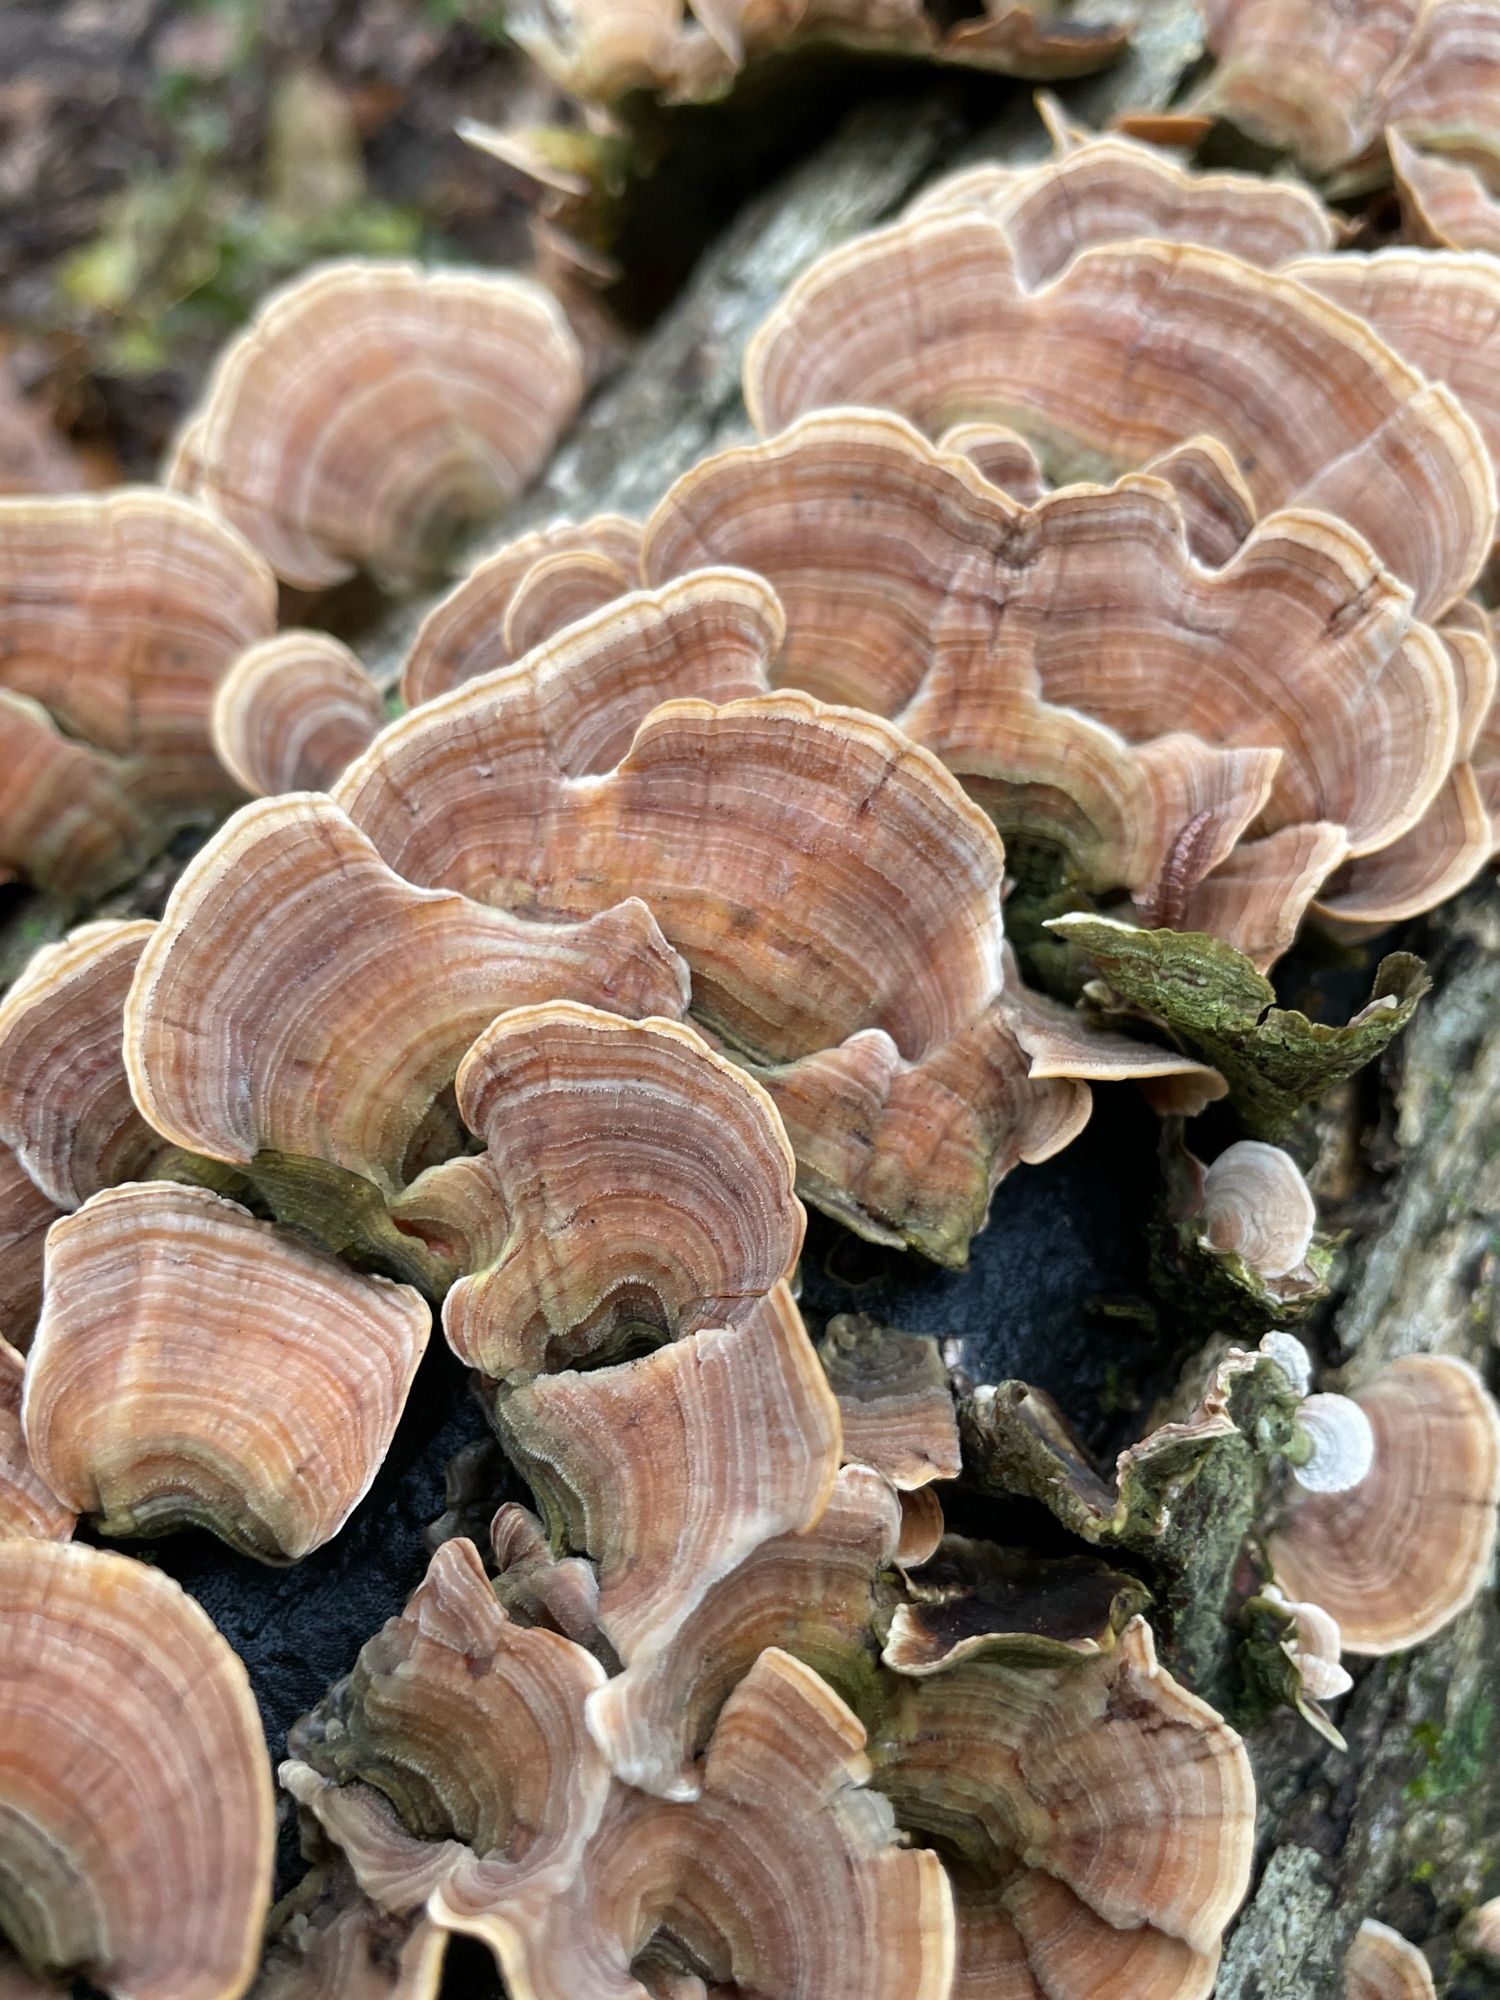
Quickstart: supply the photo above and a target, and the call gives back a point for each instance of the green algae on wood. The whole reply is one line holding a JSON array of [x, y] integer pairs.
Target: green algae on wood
[[1214, 1001]]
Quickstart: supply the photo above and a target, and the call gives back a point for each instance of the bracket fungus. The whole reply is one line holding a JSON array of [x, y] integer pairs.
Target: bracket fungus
[[1383, 1965], [372, 409], [65, 1103], [454, 1763], [1325, 88], [292, 712], [901, 1069], [895, 1404], [28, 1506], [1213, 999], [814, 1593], [1101, 1819], [25, 1217], [638, 1186], [1447, 203], [691, 51], [1208, 343], [300, 998], [671, 1470], [1399, 1553], [783, 1877], [1095, 685], [328, 1941], [193, 1366], [1247, 1222], [119, 614], [135, 1792]]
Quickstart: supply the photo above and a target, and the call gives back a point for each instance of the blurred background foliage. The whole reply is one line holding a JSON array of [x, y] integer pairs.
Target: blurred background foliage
[[163, 163]]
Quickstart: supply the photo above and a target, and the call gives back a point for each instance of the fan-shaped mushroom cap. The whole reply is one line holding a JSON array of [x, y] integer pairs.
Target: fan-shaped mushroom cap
[[1398, 1555], [970, 1598], [135, 1794], [329, 1941], [1445, 203], [455, 1757], [195, 1366], [782, 1878], [465, 635], [292, 712], [300, 997], [65, 1103], [670, 1470], [1108, 189], [371, 408], [1104, 1817], [1131, 350], [1444, 90], [1479, 1933], [25, 1217], [902, 1124], [811, 1592], [28, 1506], [777, 913], [895, 1404], [911, 1152], [1297, 77], [1090, 603], [537, 1587], [67, 821], [1382, 1965], [1438, 309], [1256, 1206], [119, 613], [637, 1181]]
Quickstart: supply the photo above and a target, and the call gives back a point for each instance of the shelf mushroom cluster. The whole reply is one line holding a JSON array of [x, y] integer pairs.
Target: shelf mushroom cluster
[[677, 897], [121, 613]]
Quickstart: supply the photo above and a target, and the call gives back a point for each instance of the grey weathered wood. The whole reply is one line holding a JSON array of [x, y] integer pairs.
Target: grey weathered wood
[[1405, 1825]]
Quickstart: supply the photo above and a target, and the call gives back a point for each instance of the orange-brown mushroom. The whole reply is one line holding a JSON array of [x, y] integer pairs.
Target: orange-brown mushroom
[[292, 712], [465, 635], [1394, 1557], [1098, 1817], [1314, 407], [1446, 203], [135, 1794], [119, 613], [25, 1217], [371, 408], [67, 821], [783, 1877], [193, 1366], [1383, 1965], [671, 1470], [28, 1506], [1108, 189], [329, 1941], [638, 1186], [65, 1103], [298, 996], [812, 1592], [1000, 629], [455, 1759], [895, 1404]]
